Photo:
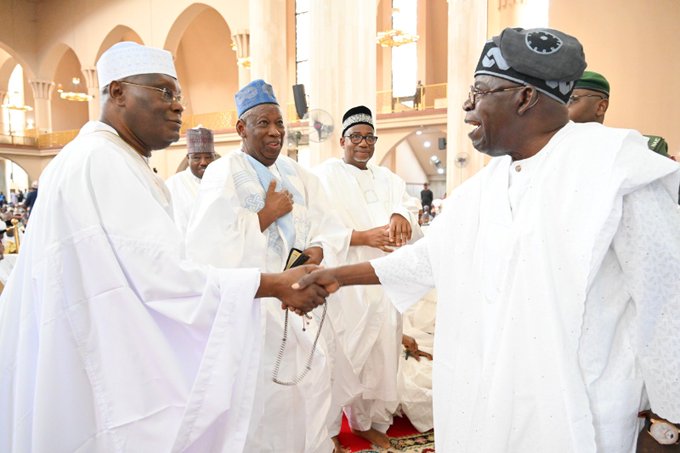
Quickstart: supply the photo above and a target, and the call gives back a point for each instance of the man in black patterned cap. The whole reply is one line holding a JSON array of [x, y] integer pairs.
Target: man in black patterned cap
[[554, 268], [372, 202]]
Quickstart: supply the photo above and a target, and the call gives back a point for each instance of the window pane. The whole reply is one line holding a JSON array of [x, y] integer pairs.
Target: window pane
[[405, 57], [302, 28]]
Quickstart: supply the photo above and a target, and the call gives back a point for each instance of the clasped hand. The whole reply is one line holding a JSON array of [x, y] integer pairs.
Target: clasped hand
[[299, 300]]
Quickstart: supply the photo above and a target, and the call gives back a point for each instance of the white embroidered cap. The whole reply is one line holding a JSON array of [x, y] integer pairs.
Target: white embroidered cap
[[129, 58]]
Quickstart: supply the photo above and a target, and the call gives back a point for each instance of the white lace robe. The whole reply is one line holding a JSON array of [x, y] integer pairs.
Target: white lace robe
[[558, 299]]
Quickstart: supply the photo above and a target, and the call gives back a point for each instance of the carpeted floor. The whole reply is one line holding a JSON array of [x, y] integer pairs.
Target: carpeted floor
[[404, 438]]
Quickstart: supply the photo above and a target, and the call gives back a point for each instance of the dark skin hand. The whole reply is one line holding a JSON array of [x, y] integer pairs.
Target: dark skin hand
[[378, 237], [411, 346], [395, 234], [280, 285], [400, 230], [315, 255], [332, 279], [276, 204]]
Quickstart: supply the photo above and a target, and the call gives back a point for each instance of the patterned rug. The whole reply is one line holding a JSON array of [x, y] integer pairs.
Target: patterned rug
[[403, 436], [415, 443]]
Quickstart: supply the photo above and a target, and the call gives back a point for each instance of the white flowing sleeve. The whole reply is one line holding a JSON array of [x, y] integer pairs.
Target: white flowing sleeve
[[647, 245], [406, 274]]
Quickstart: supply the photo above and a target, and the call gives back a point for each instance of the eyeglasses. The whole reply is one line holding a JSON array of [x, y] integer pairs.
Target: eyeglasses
[[357, 138], [165, 93], [476, 92], [576, 97]]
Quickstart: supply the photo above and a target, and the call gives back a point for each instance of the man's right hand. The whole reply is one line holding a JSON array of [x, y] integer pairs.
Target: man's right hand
[[322, 277], [276, 204], [281, 286]]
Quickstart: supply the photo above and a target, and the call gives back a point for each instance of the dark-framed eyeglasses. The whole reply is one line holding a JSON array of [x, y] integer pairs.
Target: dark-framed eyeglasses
[[165, 93], [477, 93], [576, 97], [357, 138]]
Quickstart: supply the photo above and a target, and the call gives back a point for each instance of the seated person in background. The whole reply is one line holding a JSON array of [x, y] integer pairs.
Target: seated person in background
[[414, 380]]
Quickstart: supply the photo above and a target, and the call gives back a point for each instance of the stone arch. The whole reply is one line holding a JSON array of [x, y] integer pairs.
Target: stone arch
[[4, 160], [68, 115], [118, 34], [29, 71], [6, 69], [53, 56], [200, 39]]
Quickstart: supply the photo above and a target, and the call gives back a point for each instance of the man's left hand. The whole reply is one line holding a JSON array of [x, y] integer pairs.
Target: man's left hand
[[400, 230], [315, 255]]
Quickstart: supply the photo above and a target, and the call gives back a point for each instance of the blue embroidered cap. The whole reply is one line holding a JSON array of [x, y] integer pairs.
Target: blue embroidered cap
[[255, 93]]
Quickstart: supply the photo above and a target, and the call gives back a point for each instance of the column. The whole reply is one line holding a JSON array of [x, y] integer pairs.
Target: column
[[268, 50], [343, 62], [92, 83], [42, 91], [242, 41], [3, 94], [467, 35]]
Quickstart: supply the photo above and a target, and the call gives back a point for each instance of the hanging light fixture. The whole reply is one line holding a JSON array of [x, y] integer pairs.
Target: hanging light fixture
[[74, 95], [395, 37]]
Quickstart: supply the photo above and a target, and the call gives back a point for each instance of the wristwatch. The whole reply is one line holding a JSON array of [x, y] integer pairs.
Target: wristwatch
[[662, 431]]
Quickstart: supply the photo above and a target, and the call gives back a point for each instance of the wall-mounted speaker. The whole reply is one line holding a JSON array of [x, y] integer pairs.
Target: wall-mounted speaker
[[442, 142], [300, 100]]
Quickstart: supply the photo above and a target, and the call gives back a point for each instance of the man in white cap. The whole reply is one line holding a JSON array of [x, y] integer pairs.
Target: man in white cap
[[555, 268], [257, 208], [372, 202], [109, 339], [183, 186]]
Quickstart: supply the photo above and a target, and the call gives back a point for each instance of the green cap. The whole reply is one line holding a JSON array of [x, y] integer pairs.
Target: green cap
[[593, 81], [657, 144]]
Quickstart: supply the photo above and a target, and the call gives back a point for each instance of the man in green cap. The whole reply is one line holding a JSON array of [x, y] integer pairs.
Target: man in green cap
[[590, 99], [589, 103]]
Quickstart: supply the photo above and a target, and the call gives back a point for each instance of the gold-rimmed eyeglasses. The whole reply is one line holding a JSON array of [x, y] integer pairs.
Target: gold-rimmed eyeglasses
[[576, 97], [165, 93], [476, 92]]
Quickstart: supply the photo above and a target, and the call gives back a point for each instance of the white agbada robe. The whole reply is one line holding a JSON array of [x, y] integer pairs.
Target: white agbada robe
[[368, 325], [558, 298], [109, 340], [183, 187], [285, 418]]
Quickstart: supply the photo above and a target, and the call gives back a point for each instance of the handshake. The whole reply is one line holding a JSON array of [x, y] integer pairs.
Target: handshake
[[303, 288], [300, 289]]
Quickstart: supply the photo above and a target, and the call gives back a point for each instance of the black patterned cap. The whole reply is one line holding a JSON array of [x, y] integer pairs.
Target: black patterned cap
[[357, 115], [548, 59]]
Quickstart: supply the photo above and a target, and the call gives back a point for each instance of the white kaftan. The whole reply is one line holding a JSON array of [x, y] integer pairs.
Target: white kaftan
[[368, 325], [183, 187], [558, 299], [109, 340], [225, 231]]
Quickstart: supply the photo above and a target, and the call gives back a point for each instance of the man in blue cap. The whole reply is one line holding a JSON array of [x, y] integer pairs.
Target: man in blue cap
[[259, 208], [555, 267]]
